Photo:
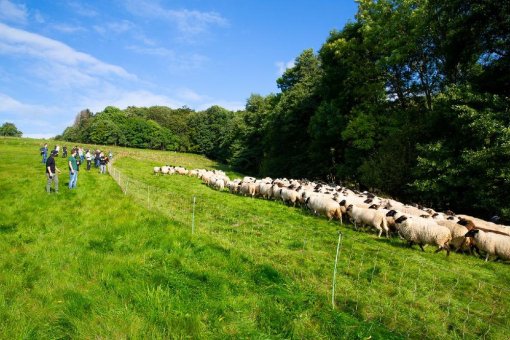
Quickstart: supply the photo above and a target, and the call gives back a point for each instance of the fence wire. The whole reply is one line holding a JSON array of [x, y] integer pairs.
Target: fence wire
[[412, 298]]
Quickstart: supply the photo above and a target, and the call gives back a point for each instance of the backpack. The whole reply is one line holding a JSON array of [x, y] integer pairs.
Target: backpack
[[42, 150]]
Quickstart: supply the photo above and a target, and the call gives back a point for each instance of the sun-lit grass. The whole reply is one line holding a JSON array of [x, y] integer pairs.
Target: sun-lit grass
[[106, 262]]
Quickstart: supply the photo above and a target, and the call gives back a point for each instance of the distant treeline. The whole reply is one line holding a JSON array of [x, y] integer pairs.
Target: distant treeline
[[410, 99]]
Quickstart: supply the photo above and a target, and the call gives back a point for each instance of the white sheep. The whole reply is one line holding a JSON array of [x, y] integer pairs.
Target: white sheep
[[164, 169], [414, 230], [157, 170], [369, 217], [324, 206], [290, 195], [266, 190], [458, 235], [181, 170], [492, 244]]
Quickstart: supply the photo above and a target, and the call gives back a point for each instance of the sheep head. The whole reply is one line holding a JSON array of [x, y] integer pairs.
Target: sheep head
[[401, 219], [472, 233], [391, 213]]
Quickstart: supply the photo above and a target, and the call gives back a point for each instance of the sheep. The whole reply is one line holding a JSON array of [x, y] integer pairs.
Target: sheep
[[277, 191], [248, 189], [413, 230], [469, 224], [458, 239], [206, 177], [324, 206], [290, 195], [266, 190], [412, 211], [181, 170], [369, 217], [164, 169], [157, 170], [219, 183], [485, 225], [193, 173], [492, 244], [390, 221]]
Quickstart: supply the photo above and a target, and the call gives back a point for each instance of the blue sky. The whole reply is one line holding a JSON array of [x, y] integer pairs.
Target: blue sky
[[58, 57]]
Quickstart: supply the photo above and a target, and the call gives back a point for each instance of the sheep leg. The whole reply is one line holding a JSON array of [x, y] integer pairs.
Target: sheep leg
[[497, 259], [447, 247], [411, 244], [487, 257], [380, 232], [421, 247]]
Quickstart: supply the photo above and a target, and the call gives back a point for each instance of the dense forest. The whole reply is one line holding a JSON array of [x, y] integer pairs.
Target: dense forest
[[410, 99]]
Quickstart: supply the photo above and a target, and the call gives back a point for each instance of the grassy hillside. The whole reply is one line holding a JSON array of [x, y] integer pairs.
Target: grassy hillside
[[109, 262]]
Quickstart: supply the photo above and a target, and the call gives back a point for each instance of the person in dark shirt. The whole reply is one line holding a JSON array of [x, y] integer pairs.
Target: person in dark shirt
[[64, 151], [97, 158], [51, 172], [102, 162]]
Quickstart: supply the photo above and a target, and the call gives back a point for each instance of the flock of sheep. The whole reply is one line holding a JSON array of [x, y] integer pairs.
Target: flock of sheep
[[412, 223]]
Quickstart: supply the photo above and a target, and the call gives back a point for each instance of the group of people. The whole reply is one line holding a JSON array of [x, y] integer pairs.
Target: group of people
[[78, 155]]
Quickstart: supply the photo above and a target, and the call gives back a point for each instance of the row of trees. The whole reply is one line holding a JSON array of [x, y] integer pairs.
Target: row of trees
[[411, 99]]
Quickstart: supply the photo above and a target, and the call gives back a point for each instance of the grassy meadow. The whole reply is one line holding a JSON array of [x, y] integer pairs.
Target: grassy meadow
[[117, 262]]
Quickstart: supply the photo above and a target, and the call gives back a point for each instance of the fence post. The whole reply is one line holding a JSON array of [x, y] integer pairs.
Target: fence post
[[125, 191], [334, 272], [193, 218]]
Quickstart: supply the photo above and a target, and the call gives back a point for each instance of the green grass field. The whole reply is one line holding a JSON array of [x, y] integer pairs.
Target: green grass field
[[116, 262]]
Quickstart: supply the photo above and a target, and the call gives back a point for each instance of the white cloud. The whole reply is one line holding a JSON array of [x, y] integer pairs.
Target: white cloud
[[141, 37], [232, 106], [38, 17], [37, 118], [11, 12], [80, 9], [185, 62], [156, 51], [65, 28], [189, 95], [18, 42], [188, 22], [114, 27], [283, 66]]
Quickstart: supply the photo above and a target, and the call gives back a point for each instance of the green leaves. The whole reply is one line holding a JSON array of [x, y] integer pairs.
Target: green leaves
[[10, 130]]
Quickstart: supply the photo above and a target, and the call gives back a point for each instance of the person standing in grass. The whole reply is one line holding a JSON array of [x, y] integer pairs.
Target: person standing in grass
[[73, 170], [96, 158], [102, 163], [80, 153], [110, 155], [44, 153], [51, 172], [64, 151], [88, 157]]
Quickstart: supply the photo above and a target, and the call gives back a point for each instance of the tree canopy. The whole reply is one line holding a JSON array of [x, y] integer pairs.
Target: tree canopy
[[10, 130]]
